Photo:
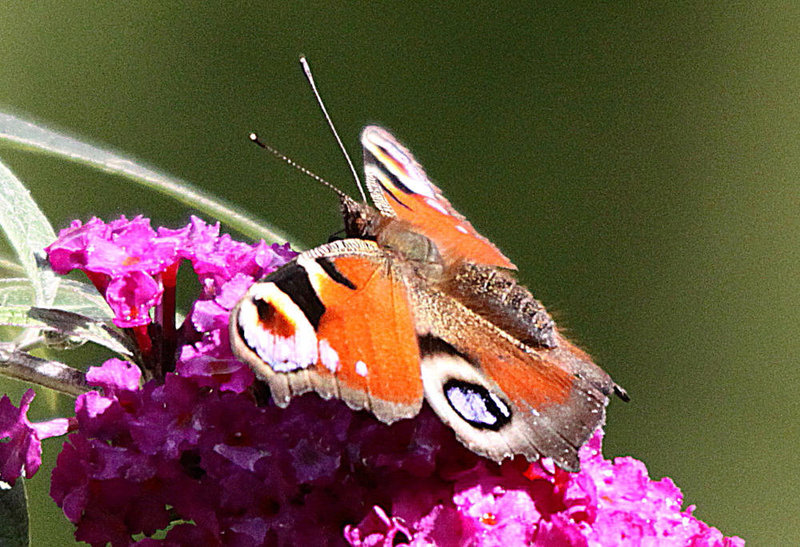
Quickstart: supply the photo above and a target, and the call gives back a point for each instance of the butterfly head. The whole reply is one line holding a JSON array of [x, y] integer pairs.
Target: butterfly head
[[361, 220]]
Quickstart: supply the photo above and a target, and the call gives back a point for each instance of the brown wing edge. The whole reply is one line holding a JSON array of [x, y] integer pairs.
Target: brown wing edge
[[284, 387], [556, 429]]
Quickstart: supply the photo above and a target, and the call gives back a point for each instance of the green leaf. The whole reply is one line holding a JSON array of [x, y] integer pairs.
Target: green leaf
[[72, 296], [68, 324], [41, 139], [81, 298], [11, 266], [29, 233], [14, 515]]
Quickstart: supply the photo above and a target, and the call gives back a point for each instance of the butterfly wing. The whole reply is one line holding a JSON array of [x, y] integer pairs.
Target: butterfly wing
[[340, 320], [337, 320], [401, 189], [501, 397]]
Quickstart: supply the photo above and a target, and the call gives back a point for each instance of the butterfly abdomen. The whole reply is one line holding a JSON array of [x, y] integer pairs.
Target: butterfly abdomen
[[497, 295]]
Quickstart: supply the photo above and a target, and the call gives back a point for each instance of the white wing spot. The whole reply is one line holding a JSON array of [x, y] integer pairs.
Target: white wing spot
[[328, 356], [361, 368], [417, 182], [436, 205], [461, 229]]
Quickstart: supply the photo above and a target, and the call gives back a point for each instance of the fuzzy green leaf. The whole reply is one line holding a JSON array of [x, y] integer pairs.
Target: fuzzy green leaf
[[29, 233], [72, 296], [69, 325]]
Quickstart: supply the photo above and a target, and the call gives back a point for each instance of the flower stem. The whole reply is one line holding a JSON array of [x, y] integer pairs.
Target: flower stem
[[51, 374]]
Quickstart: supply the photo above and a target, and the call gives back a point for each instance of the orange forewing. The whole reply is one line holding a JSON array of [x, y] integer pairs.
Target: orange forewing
[[455, 237], [419, 202], [371, 329]]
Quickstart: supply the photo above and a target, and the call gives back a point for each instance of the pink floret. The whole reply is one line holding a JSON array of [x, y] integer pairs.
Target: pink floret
[[21, 440]]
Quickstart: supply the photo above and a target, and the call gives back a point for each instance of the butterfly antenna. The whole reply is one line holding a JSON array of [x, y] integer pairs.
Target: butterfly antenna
[[310, 78], [290, 161]]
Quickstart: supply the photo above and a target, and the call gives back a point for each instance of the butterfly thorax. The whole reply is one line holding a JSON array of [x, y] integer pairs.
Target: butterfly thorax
[[417, 253]]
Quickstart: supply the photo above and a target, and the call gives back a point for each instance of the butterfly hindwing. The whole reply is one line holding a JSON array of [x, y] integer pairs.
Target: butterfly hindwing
[[336, 320], [502, 397]]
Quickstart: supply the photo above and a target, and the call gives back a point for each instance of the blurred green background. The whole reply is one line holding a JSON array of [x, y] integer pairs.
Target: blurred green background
[[640, 165]]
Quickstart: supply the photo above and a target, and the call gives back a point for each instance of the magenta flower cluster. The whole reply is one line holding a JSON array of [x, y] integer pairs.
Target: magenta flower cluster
[[199, 455]]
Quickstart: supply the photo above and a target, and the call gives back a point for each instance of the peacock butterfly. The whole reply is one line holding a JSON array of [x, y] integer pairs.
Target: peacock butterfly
[[415, 304]]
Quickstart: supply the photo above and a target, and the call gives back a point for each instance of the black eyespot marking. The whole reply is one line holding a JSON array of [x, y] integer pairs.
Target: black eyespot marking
[[476, 405], [330, 269], [292, 280], [266, 311]]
